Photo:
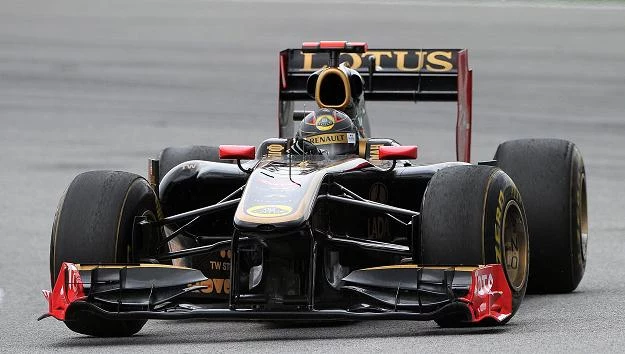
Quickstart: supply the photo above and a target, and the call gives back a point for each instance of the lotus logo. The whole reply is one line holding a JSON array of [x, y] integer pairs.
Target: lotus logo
[[325, 122], [269, 211]]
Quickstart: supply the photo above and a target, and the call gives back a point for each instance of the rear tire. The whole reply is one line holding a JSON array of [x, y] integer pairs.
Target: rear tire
[[551, 177], [174, 155], [94, 224], [462, 208]]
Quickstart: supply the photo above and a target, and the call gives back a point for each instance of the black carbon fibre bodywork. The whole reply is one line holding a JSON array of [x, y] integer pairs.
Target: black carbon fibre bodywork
[[300, 262]]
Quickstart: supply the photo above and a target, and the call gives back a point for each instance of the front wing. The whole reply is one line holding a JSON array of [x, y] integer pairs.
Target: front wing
[[401, 292]]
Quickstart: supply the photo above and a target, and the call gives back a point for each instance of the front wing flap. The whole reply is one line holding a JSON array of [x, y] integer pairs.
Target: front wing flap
[[120, 287], [484, 289]]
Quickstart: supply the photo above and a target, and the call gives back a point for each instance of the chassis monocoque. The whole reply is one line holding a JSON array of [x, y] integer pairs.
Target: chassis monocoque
[[286, 237]]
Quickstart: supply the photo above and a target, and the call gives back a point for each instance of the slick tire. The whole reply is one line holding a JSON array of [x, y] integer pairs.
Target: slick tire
[[551, 178], [462, 208], [174, 155], [94, 224]]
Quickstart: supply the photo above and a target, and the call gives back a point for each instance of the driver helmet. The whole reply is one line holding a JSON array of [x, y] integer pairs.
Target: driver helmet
[[331, 131]]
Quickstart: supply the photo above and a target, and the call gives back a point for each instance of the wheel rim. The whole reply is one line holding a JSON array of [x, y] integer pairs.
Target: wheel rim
[[515, 244], [582, 215]]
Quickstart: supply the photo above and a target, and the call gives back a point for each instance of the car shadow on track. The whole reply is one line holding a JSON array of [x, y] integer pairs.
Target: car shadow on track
[[199, 332]]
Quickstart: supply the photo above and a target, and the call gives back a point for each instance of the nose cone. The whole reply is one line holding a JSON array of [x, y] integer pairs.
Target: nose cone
[[277, 198]]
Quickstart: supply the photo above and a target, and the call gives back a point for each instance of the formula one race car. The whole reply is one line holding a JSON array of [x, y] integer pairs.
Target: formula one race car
[[325, 223]]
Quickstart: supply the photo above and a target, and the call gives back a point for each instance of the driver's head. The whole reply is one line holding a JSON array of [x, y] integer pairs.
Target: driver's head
[[330, 131]]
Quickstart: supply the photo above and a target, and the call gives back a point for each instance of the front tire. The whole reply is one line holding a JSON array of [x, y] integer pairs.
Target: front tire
[[474, 215], [551, 177], [94, 224]]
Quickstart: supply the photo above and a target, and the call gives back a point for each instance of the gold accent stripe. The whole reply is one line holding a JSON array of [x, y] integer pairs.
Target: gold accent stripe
[[114, 266], [414, 266], [362, 148]]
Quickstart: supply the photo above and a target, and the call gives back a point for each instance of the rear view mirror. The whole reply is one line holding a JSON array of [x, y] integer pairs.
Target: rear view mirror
[[237, 152], [398, 152]]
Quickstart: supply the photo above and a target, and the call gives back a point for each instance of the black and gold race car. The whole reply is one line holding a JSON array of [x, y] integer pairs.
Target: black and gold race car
[[325, 222]]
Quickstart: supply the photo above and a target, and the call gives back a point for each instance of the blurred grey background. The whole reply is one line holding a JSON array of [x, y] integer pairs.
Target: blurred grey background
[[106, 84]]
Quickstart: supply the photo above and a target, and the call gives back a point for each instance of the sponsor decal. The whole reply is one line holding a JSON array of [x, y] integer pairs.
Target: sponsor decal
[[278, 184], [217, 286], [219, 265], [374, 151], [484, 283], [276, 196], [74, 283], [189, 166], [325, 122], [226, 253], [274, 150], [351, 138], [378, 193], [402, 60], [511, 246], [269, 211], [491, 295], [219, 270], [378, 227], [323, 139], [498, 222]]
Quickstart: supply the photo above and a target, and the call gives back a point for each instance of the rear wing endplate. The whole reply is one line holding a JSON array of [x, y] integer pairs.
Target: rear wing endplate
[[435, 75]]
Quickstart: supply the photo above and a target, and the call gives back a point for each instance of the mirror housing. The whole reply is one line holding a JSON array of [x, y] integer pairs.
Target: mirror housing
[[237, 152], [408, 152]]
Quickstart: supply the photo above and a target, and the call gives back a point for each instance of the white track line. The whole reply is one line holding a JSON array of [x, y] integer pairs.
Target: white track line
[[564, 5]]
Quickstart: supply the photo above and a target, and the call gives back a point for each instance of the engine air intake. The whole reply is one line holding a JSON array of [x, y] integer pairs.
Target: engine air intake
[[333, 89]]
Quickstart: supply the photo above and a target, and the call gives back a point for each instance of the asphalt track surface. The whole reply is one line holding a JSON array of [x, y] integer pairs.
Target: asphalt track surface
[[105, 85]]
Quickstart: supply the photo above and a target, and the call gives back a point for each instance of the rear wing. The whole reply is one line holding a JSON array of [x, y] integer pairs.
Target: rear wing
[[439, 75]]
